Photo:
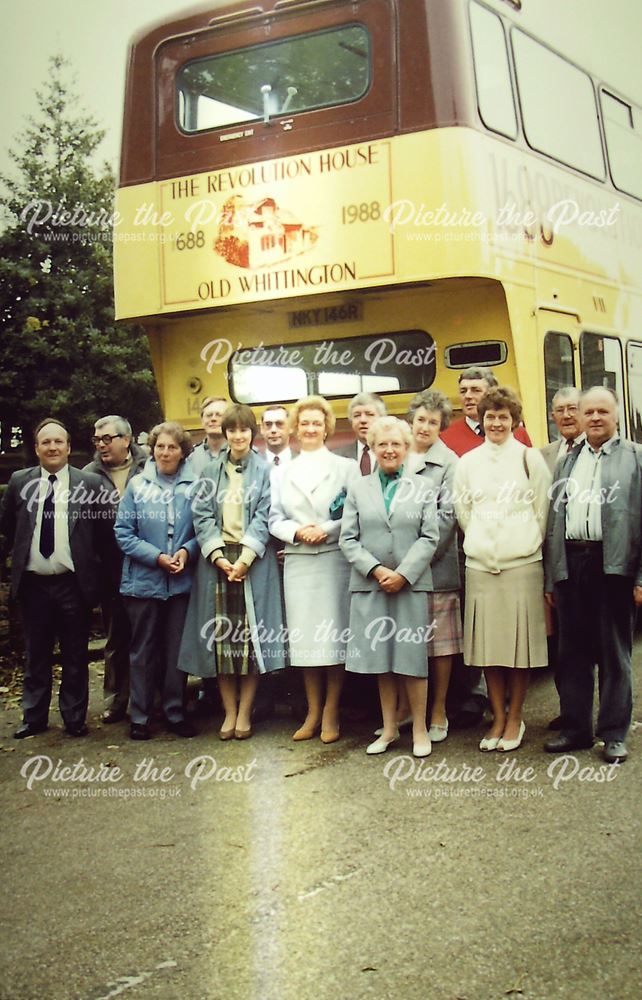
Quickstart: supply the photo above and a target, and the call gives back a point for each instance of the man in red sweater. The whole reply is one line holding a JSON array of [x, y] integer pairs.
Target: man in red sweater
[[465, 434]]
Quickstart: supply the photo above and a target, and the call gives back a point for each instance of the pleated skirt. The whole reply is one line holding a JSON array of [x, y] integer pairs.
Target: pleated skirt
[[504, 623]]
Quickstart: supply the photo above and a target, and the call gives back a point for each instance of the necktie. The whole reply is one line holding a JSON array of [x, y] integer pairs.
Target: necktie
[[47, 526], [276, 460], [570, 445], [364, 463], [480, 432]]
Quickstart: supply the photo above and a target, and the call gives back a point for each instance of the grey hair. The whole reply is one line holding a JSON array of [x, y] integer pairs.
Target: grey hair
[[388, 423], [476, 372], [367, 399], [431, 399], [604, 388], [565, 392], [122, 426]]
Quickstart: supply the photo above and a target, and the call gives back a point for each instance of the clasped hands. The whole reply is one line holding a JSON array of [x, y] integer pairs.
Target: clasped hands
[[173, 564], [235, 572], [388, 579], [311, 534]]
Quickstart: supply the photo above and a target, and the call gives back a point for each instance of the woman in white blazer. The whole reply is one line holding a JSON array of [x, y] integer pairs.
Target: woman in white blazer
[[304, 500]]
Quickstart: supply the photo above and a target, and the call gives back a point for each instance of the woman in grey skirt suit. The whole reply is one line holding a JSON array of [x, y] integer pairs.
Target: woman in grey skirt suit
[[315, 572], [389, 534]]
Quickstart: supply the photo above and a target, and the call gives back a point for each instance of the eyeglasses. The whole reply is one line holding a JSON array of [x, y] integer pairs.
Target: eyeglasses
[[105, 438]]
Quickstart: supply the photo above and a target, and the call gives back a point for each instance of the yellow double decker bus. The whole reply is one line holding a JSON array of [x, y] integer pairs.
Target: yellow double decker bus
[[333, 196]]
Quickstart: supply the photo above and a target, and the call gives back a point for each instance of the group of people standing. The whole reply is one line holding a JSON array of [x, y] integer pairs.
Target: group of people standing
[[226, 563]]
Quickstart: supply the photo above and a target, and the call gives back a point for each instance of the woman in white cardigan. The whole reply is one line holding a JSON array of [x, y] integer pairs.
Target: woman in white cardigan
[[305, 515], [501, 501]]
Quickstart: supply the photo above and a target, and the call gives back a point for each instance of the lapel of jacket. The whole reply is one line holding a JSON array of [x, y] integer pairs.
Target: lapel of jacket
[[31, 493], [77, 498], [307, 479], [375, 495]]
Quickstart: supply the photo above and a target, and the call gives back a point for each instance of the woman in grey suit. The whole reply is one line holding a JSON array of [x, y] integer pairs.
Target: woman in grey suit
[[315, 572], [389, 535]]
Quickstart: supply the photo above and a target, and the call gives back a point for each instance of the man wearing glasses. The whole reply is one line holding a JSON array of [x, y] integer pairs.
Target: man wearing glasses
[[117, 459]]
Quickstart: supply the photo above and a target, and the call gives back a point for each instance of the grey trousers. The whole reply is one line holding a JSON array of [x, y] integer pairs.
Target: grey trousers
[[157, 628]]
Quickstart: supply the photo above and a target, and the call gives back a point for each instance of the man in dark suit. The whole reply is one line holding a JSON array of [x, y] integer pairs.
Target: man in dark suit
[[363, 409], [56, 523], [593, 570]]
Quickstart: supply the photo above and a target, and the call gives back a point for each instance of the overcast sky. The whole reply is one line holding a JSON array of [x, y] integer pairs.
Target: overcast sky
[[604, 35]]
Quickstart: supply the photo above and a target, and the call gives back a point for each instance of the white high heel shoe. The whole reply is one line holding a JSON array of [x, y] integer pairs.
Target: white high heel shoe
[[489, 743], [505, 745], [381, 745]]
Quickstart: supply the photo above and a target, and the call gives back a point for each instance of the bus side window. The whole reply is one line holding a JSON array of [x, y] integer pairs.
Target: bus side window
[[558, 371], [634, 366], [601, 364], [492, 72]]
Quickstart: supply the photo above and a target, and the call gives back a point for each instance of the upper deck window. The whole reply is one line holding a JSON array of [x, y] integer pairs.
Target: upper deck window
[[623, 130], [492, 72], [317, 70], [558, 104]]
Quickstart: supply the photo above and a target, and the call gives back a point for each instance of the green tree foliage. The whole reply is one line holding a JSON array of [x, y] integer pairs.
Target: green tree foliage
[[61, 352]]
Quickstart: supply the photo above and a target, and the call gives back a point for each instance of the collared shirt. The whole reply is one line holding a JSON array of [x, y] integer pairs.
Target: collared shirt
[[60, 561], [201, 456], [475, 426], [284, 457], [566, 446], [389, 484], [583, 492]]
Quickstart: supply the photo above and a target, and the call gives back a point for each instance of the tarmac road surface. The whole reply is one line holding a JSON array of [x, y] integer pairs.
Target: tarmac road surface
[[273, 870]]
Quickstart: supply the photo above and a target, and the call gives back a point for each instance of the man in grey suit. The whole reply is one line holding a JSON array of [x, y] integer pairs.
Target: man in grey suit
[[363, 409], [565, 411], [593, 574], [55, 520], [565, 408]]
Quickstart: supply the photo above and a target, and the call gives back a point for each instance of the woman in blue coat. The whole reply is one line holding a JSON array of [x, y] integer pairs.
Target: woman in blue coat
[[234, 627], [154, 529]]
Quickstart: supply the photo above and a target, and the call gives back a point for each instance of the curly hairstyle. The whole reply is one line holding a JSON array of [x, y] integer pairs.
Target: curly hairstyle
[[180, 435], [500, 398], [313, 403]]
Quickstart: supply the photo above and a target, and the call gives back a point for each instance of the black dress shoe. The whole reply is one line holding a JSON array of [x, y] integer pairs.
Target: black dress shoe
[[29, 729], [555, 724], [113, 715], [615, 752], [182, 728], [139, 731], [76, 729], [562, 744]]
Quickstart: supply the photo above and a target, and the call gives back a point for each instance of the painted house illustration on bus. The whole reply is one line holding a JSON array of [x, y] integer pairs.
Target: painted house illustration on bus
[[260, 234]]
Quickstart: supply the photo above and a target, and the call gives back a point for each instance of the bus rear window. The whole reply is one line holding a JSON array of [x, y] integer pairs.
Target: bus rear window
[[383, 363], [317, 70]]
